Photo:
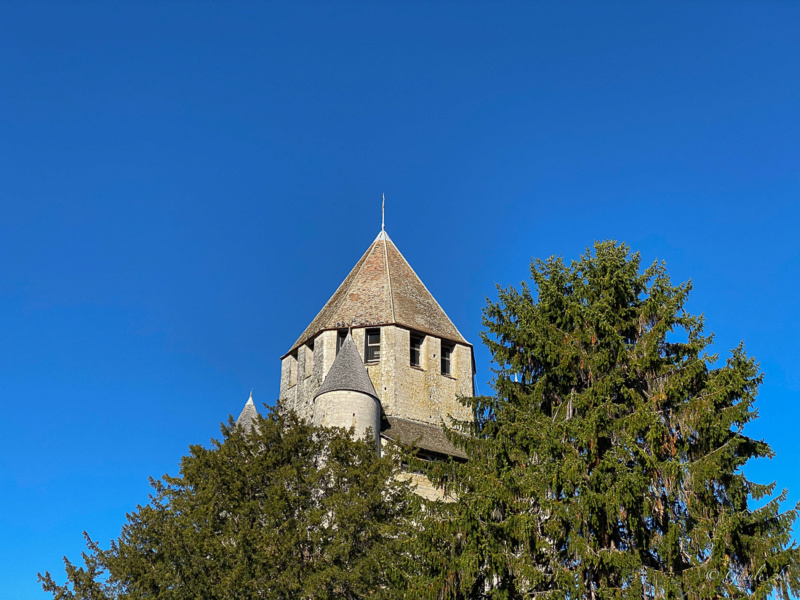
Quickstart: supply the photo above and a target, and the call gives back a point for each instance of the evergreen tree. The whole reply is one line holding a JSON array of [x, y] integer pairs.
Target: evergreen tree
[[287, 511], [609, 462]]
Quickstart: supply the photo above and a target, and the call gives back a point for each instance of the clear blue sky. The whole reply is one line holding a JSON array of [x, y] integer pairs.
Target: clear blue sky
[[183, 186]]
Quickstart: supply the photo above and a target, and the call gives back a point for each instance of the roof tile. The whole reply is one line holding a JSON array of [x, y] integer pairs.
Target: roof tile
[[422, 436], [382, 289]]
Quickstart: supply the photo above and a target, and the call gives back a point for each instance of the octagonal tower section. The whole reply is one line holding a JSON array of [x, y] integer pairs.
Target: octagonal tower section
[[417, 361]]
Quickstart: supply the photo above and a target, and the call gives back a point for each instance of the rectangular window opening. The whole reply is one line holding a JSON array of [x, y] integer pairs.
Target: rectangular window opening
[[372, 345], [416, 349], [447, 359], [341, 336]]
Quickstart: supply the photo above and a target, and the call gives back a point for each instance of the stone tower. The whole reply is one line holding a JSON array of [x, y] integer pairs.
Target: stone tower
[[416, 361]]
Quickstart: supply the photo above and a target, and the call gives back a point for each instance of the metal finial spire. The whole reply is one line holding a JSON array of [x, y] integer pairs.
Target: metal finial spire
[[383, 213]]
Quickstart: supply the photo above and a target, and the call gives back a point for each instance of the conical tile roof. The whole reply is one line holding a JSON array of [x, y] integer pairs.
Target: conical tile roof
[[383, 289], [348, 372], [248, 415]]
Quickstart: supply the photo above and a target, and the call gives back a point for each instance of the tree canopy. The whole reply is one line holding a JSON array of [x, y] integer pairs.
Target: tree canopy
[[609, 462], [288, 511]]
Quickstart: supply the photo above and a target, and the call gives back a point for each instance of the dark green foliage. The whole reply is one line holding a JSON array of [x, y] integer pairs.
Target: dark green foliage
[[289, 511], [609, 463]]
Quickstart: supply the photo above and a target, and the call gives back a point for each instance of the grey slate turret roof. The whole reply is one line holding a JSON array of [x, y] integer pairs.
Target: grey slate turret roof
[[348, 372], [382, 289], [248, 415]]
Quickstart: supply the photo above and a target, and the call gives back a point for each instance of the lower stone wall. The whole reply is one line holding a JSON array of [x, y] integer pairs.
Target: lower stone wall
[[424, 488]]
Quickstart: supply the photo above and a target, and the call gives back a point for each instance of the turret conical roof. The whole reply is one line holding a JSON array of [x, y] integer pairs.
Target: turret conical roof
[[348, 372], [248, 415], [382, 289]]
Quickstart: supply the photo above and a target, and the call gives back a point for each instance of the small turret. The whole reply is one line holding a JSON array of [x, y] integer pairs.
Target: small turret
[[347, 397], [248, 415]]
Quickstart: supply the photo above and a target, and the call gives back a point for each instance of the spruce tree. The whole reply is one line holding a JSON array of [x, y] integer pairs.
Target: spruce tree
[[609, 462], [288, 511]]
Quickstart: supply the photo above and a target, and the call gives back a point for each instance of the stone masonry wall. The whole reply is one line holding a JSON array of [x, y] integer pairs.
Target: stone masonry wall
[[303, 374], [421, 393], [349, 409], [416, 393]]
